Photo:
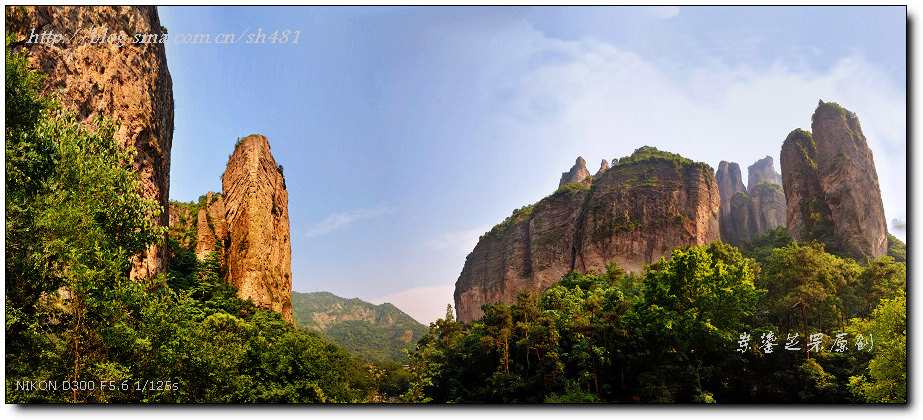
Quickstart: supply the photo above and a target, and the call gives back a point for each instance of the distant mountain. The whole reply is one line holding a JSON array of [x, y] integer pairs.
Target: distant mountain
[[375, 332]]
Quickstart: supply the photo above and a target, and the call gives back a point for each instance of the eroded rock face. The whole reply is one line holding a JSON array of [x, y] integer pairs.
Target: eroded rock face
[[752, 210], [762, 171], [767, 207], [633, 214], [840, 180], [129, 82], [729, 184], [603, 167], [576, 174], [211, 225], [259, 251], [806, 207]]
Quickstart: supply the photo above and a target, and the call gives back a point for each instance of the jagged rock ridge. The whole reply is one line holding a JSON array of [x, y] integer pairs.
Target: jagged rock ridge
[[129, 82], [636, 212], [832, 186]]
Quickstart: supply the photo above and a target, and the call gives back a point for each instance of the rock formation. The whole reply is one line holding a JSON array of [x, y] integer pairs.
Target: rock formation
[[753, 210], [576, 174], [211, 225], [603, 167], [634, 214], [129, 82], [762, 171], [259, 254], [729, 184], [832, 186]]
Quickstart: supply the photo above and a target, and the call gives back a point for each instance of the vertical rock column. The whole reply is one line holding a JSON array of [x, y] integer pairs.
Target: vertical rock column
[[259, 255]]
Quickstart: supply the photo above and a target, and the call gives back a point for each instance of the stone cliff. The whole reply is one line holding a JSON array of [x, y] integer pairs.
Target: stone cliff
[[129, 82], [729, 184], [753, 210], [259, 253], [636, 212], [576, 174], [832, 186]]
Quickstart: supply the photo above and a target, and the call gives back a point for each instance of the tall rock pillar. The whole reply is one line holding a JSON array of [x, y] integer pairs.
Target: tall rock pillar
[[259, 256]]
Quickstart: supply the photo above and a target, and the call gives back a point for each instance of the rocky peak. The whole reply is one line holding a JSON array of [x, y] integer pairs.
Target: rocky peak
[[576, 174], [762, 171], [603, 167], [633, 214], [129, 82], [845, 170], [729, 183], [256, 206]]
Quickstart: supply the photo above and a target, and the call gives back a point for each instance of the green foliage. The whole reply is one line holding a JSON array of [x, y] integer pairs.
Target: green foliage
[[760, 248], [519, 215], [805, 143], [887, 381], [74, 220], [897, 249], [377, 333]]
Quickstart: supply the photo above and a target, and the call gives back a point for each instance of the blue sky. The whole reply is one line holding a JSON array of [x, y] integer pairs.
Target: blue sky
[[407, 132]]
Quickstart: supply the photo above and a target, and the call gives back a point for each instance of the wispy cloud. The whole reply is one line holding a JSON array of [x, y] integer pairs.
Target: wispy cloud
[[460, 241], [338, 220]]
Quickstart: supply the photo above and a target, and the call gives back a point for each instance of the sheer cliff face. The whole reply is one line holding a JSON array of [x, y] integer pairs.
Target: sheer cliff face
[[835, 181], [632, 214], [259, 255], [749, 211], [210, 225], [729, 184], [130, 83]]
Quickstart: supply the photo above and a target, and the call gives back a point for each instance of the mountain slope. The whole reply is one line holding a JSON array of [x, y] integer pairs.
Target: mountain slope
[[375, 332]]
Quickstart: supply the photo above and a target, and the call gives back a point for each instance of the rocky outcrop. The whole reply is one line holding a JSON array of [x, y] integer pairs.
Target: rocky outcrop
[[128, 82], [633, 214], [576, 174], [832, 186], [603, 167], [256, 206], [211, 226], [762, 171], [753, 210], [729, 184], [767, 207]]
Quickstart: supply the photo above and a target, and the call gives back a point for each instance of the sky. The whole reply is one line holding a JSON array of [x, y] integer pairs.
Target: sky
[[407, 132]]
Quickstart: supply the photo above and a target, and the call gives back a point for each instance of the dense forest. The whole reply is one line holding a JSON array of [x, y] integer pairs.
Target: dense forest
[[776, 322], [711, 324]]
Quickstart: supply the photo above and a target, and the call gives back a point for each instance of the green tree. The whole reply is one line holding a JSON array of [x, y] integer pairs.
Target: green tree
[[887, 380]]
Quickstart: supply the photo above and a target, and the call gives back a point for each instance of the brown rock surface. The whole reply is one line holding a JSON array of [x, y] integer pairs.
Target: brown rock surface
[[729, 184], [576, 174], [603, 167], [633, 214], [767, 207], [259, 251], [847, 175], [129, 82], [762, 171], [805, 205]]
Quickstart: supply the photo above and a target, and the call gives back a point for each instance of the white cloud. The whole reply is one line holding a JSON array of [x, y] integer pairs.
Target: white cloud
[[460, 241], [338, 220], [661, 12], [601, 101], [425, 304]]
